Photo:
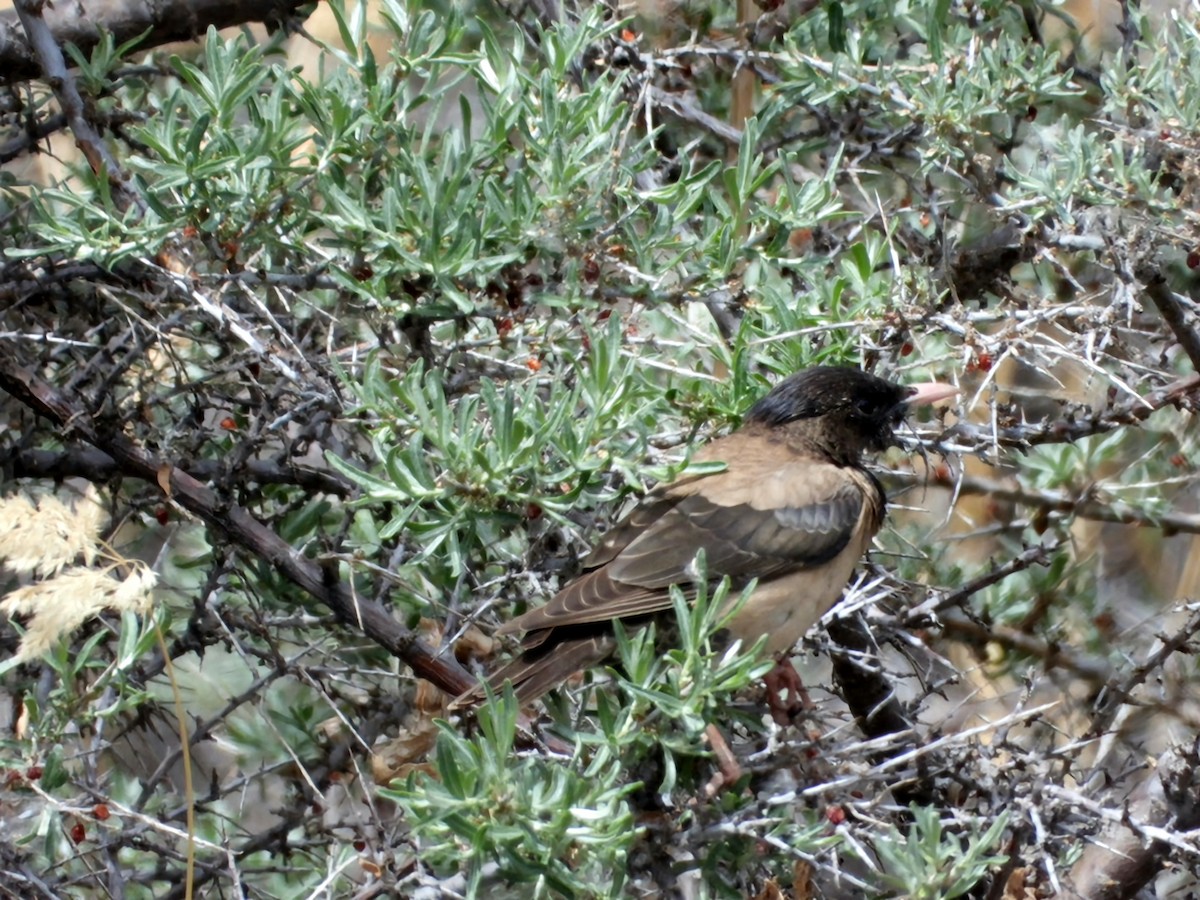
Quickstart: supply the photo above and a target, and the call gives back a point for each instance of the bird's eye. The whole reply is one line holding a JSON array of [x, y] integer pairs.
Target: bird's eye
[[864, 406]]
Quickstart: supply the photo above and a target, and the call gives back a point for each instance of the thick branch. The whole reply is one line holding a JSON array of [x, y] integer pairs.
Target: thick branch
[[1139, 839], [867, 692], [242, 528], [1172, 313], [54, 70], [80, 23], [97, 466], [870, 695]]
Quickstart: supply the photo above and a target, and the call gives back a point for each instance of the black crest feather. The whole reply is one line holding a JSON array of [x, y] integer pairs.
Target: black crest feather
[[821, 390]]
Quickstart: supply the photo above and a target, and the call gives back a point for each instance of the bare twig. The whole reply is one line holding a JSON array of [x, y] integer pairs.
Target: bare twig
[[1121, 692], [1037, 555], [689, 112]]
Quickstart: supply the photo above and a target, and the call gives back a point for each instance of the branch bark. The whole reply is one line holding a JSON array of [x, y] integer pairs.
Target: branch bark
[[242, 529], [1132, 851], [54, 70], [97, 466], [871, 697], [81, 23], [1172, 312]]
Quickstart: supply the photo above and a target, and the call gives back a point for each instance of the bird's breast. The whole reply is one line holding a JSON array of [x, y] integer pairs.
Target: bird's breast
[[786, 607]]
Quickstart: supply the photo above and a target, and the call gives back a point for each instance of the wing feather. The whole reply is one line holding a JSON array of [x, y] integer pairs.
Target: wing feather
[[800, 515]]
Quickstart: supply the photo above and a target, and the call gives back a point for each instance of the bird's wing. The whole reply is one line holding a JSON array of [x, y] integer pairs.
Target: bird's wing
[[775, 527], [649, 510], [752, 521]]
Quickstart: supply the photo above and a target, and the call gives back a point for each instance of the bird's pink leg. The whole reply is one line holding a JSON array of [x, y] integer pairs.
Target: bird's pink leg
[[728, 770], [784, 677]]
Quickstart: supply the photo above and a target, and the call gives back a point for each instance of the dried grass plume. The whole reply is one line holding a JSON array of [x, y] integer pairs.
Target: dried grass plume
[[45, 537], [59, 605]]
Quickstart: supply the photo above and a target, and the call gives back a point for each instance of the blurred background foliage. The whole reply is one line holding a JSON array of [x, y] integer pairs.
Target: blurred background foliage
[[430, 290]]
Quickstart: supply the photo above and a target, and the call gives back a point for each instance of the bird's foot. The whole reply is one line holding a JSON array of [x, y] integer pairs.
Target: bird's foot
[[784, 678]]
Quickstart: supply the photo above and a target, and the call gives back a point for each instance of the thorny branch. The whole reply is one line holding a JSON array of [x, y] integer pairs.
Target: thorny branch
[[1089, 503], [969, 437], [249, 534]]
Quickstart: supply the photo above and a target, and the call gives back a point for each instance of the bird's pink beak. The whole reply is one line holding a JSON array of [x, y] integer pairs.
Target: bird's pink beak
[[930, 393]]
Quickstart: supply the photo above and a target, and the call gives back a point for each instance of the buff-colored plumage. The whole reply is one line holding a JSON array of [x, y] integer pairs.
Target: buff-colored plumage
[[793, 509]]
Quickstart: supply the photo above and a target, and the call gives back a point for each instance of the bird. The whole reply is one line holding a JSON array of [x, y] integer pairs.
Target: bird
[[793, 510]]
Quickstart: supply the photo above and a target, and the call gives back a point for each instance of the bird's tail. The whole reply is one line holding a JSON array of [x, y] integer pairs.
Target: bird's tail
[[539, 669]]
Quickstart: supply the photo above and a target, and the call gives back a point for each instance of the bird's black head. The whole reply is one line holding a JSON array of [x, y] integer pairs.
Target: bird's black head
[[844, 411]]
